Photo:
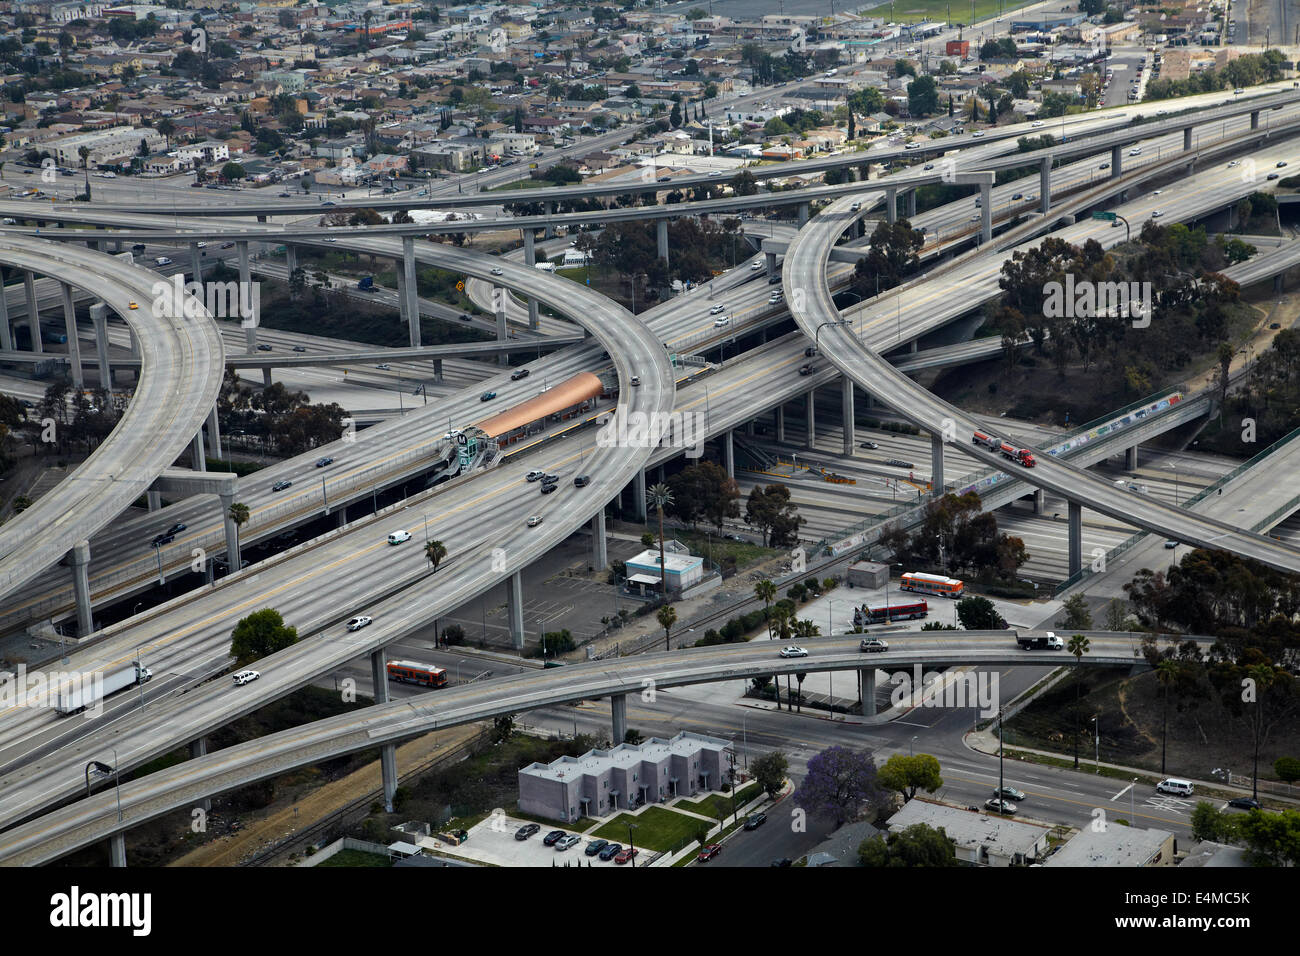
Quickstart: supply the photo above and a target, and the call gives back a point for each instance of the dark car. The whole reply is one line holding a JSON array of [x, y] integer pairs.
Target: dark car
[[527, 830], [322, 462], [755, 821], [709, 852], [610, 851], [550, 479], [177, 528], [518, 373], [282, 484], [160, 540], [265, 348], [774, 279], [1244, 803], [547, 489], [784, 861], [807, 369], [595, 846], [300, 348], [487, 396], [581, 481], [554, 837], [465, 317], [810, 351]]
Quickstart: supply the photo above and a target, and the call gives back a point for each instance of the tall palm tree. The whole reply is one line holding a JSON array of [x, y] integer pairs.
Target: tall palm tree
[[806, 628], [660, 496], [765, 590], [1166, 673], [667, 618], [239, 515], [435, 551], [1078, 646]]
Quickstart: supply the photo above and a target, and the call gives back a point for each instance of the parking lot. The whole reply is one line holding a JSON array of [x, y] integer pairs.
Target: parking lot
[[493, 841]]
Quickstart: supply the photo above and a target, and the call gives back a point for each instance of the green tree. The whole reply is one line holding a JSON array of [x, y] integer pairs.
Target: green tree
[[771, 511], [260, 634], [239, 515], [659, 496], [923, 96], [978, 614], [914, 846], [503, 728], [435, 551], [667, 617], [765, 591], [907, 775], [233, 170], [770, 771], [1078, 646], [1287, 769], [1077, 616]]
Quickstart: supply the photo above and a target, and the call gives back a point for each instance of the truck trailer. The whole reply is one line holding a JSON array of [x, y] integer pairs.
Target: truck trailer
[[1048, 641], [85, 690]]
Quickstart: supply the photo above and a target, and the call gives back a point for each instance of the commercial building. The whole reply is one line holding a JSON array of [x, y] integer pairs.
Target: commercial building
[[601, 782], [981, 839], [681, 570], [1117, 846], [107, 147]]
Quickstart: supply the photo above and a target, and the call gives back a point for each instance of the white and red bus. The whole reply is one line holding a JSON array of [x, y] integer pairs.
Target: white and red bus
[[894, 612], [413, 672], [932, 584]]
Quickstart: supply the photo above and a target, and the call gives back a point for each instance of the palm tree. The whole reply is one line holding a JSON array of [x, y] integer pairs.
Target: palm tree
[[667, 618], [1078, 646], [1166, 673], [659, 497], [366, 15], [765, 590], [239, 515], [806, 628], [435, 551]]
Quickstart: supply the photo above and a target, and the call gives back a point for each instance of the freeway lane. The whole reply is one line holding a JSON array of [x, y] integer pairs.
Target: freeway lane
[[179, 380], [86, 821]]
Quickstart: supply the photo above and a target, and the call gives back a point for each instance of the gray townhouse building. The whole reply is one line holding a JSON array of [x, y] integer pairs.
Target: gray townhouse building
[[601, 782]]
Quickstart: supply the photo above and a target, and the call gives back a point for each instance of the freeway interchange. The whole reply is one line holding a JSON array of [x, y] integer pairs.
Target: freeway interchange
[[187, 638]]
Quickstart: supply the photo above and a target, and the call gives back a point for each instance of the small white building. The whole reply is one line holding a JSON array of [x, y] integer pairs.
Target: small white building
[[981, 839], [680, 570]]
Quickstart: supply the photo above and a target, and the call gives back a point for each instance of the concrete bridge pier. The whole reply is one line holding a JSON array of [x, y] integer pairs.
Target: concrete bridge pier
[[33, 311], [804, 211], [780, 423], [411, 292], [891, 205], [499, 296], [1045, 185], [868, 683], [986, 211], [530, 259], [99, 316], [196, 266], [74, 343], [155, 499], [79, 558], [936, 462], [770, 259], [6, 331], [198, 460], [1187, 140], [117, 850], [245, 283], [1075, 537], [846, 413], [911, 204], [199, 748], [1116, 161], [550, 228], [729, 452], [618, 710], [515, 607], [638, 495], [1131, 458], [290, 260], [1039, 501], [661, 235], [1254, 119], [810, 408], [599, 551], [387, 752], [214, 433]]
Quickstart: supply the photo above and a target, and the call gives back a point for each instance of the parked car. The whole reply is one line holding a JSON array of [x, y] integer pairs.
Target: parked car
[[611, 850], [755, 820], [595, 846], [1244, 803], [999, 806], [624, 855], [554, 837], [527, 830], [709, 852], [784, 861], [567, 841]]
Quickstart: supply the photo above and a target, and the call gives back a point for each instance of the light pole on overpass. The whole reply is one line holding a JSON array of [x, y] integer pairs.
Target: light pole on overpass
[[817, 334]]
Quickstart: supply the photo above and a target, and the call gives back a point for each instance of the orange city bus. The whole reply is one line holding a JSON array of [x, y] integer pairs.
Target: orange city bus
[[932, 584], [413, 672]]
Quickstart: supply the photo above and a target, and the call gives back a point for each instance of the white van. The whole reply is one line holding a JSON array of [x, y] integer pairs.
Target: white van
[[1179, 788]]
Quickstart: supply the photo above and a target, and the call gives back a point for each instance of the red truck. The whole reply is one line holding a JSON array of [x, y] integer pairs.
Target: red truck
[[993, 443]]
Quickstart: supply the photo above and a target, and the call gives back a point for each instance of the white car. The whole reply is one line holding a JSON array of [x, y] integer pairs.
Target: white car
[[1156, 214], [534, 521], [245, 677], [717, 310], [497, 272], [793, 651], [722, 322], [397, 537], [912, 146], [357, 623], [1235, 162], [756, 265], [1035, 124], [534, 475], [1135, 151], [977, 134]]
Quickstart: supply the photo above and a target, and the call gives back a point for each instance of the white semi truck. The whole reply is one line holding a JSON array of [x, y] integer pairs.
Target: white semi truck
[[83, 690]]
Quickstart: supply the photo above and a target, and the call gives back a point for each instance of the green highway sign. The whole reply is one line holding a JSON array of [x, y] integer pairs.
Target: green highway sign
[[1104, 215]]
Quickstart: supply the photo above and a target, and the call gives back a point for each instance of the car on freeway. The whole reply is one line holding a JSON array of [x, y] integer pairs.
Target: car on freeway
[[383, 367], [872, 645], [357, 623], [1281, 163], [265, 348], [285, 195], [636, 380], [793, 650], [518, 373], [1234, 163], [487, 396], [756, 265], [709, 852], [300, 348], [397, 537], [1009, 793], [581, 481], [548, 488], [1156, 214], [1115, 224], [1104, 166], [134, 305], [977, 134], [912, 146], [554, 837], [755, 820], [624, 855], [525, 831], [567, 841], [1135, 151], [810, 351], [465, 318], [868, 444], [717, 310], [1244, 803], [928, 166], [1036, 124], [227, 245], [329, 202], [245, 677], [999, 806], [610, 850], [322, 462], [807, 369], [282, 484], [177, 528], [534, 521], [549, 479], [161, 539], [1237, 92], [724, 321], [773, 280], [535, 475], [855, 207], [1018, 196], [497, 272], [1271, 176]]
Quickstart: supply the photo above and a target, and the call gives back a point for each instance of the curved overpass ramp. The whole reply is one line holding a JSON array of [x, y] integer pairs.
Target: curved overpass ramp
[[180, 376]]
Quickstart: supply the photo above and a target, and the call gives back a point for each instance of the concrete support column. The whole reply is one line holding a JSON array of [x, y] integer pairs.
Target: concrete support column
[[515, 607], [197, 459], [499, 297], [911, 346], [155, 500], [986, 211], [232, 532], [196, 263], [1116, 161], [412, 303], [1254, 119], [810, 408], [290, 260], [6, 333], [199, 748], [911, 204], [599, 552], [74, 343], [804, 212], [1131, 458], [387, 752], [846, 413], [868, 691], [246, 282], [780, 423], [99, 316], [1039, 501], [661, 236], [1277, 283], [891, 205], [437, 371], [1187, 140], [266, 376], [936, 462], [618, 710], [117, 850], [33, 312], [214, 434], [770, 259], [530, 259], [550, 227], [1075, 537], [638, 495], [135, 347], [729, 453], [1045, 185], [80, 561]]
